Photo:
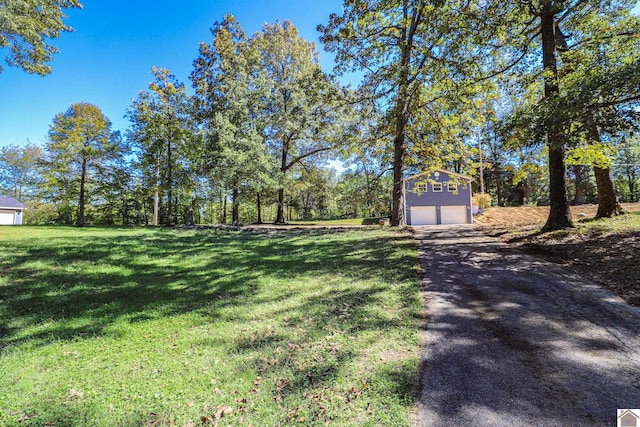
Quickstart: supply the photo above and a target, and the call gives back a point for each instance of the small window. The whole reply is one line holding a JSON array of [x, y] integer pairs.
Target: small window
[[452, 187], [437, 187], [420, 187]]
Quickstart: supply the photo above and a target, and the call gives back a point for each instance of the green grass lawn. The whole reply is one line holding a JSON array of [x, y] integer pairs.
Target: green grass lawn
[[134, 327]]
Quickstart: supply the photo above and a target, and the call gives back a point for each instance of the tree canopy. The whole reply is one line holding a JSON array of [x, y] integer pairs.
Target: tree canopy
[[26, 26]]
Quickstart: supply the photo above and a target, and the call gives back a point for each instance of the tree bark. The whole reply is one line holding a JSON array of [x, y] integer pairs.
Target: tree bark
[[259, 206], [608, 205], [280, 219], [81, 200], [235, 207], [223, 208], [631, 180], [156, 196], [169, 184], [559, 214], [401, 119], [578, 198]]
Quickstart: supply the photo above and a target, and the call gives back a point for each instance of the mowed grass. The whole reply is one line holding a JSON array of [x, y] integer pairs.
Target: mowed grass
[[160, 327]]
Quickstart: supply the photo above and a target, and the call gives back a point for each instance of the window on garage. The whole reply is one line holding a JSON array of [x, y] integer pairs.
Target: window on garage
[[452, 187], [421, 187], [437, 187]]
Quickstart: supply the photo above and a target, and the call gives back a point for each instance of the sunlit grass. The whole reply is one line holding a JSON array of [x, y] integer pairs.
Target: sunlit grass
[[109, 327]]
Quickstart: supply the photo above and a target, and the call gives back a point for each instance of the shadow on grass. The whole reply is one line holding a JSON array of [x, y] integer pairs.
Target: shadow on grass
[[66, 288], [85, 283]]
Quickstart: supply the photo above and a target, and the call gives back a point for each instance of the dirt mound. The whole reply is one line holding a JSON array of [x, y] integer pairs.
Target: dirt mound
[[524, 215]]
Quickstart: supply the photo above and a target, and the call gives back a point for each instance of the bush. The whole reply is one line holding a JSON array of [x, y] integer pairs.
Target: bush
[[37, 213], [483, 201]]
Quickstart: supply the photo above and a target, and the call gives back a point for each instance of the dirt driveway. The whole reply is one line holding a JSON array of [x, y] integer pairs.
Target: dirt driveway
[[513, 340]]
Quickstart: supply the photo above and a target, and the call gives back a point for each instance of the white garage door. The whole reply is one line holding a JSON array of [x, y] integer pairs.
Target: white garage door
[[6, 218], [423, 215], [453, 214]]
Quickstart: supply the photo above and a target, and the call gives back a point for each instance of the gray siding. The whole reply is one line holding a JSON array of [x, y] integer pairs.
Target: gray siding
[[432, 198]]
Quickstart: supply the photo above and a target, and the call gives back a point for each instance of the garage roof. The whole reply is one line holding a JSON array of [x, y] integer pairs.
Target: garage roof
[[11, 203], [441, 171]]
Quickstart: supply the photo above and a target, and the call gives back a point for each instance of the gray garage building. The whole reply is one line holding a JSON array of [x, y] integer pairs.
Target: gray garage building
[[440, 197], [10, 211]]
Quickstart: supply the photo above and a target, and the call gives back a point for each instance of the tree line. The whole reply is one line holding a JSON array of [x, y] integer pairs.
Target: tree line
[[543, 93]]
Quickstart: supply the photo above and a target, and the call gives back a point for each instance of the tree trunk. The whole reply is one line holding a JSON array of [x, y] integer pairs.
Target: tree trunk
[[259, 206], [169, 185], [559, 214], [283, 168], [631, 179], [499, 192], [223, 208], [402, 113], [578, 198], [83, 178], [235, 208], [189, 217], [608, 205], [280, 219]]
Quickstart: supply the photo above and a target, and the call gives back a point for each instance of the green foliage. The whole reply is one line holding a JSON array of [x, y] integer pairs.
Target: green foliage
[[304, 110], [124, 326], [39, 213], [312, 193], [163, 133], [230, 91], [26, 25], [421, 69], [483, 201], [19, 171], [627, 168], [77, 156]]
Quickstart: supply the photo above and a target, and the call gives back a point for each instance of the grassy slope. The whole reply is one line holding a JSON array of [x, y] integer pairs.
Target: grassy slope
[[134, 326]]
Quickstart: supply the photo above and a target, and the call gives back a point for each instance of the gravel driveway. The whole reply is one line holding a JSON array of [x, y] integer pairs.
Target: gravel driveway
[[513, 340]]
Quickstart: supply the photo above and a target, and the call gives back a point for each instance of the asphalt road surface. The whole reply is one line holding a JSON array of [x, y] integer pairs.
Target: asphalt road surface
[[512, 340]]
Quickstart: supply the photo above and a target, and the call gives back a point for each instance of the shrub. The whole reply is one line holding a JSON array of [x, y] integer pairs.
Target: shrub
[[483, 201]]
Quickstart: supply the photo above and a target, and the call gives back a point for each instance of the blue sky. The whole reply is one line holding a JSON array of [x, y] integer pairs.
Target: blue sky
[[107, 60]]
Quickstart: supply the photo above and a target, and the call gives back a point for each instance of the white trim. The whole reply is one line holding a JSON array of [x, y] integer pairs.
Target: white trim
[[463, 177]]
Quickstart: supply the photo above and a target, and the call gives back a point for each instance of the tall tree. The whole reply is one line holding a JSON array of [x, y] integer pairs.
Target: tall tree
[[303, 106], [537, 31], [230, 91], [79, 140], [414, 55], [600, 41], [20, 170], [162, 128], [628, 167], [25, 27]]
